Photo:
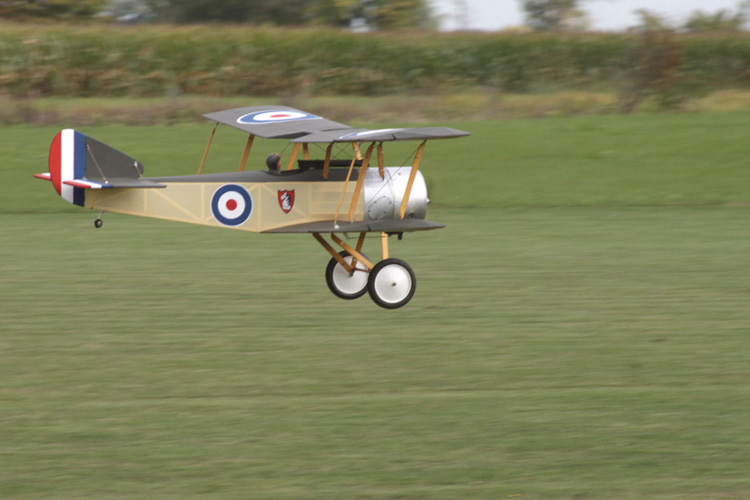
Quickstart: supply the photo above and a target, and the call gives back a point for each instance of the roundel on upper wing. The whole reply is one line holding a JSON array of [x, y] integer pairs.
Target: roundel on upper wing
[[231, 205], [365, 133], [271, 116]]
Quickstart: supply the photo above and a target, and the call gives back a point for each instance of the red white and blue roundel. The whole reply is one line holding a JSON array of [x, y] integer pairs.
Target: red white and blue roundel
[[271, 116], [231, 205]]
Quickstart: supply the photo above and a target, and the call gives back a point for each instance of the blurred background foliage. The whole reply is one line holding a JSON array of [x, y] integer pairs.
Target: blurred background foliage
[[156, 48], [376, 14], [107, 61], [25, 10]]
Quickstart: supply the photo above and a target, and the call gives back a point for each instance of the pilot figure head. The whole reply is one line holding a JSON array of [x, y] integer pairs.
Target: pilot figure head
[[273, 162]]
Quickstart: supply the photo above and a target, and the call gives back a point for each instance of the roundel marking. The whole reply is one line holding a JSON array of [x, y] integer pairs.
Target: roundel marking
[[272, 116], [231, 205], [366, 133]]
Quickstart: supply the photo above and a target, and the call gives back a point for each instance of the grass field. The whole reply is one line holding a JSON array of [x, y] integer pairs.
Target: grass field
[[580, 330]]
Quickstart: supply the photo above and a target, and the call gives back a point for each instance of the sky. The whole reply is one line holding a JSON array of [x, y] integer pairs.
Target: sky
[[604, 15]]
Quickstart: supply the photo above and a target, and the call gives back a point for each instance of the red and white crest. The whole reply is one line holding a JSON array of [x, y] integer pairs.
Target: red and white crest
[[286, 200]]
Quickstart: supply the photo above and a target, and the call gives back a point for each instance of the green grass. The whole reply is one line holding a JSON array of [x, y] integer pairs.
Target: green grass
[[576, 332]]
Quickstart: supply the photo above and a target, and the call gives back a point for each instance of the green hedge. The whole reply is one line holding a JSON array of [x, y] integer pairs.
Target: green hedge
[[68, 60]]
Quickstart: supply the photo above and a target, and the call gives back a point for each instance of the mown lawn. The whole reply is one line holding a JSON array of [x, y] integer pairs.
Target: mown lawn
[[580, 330]]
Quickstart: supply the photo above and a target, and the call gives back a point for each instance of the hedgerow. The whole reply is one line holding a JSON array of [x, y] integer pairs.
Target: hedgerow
[[99, 60]]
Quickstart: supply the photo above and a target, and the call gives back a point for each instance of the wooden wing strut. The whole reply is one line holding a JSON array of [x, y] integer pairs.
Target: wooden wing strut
[[327, 163], [249, 145], [346, 184], [412, 176], [381, 163], [208, 146], [360, 182], [293, 157]]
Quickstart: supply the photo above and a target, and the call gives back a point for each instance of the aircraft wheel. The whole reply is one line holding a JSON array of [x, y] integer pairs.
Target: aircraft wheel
[[341, 283], [98, 223], [392, 283]]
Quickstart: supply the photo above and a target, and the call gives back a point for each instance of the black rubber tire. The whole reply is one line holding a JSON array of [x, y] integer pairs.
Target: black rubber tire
[[333, 272], [402, 289]]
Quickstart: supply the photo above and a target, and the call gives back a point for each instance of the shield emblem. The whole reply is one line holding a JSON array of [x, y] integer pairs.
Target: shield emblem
[[286, 200]]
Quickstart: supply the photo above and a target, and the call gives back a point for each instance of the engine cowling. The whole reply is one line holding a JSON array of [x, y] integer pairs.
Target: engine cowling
[[383, 196]]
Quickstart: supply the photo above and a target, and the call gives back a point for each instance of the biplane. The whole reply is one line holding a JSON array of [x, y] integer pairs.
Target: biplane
[[333, 198]]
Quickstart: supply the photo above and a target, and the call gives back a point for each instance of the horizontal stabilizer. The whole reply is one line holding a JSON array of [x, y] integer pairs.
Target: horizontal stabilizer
[[113, 183], [84, 184], [45, 176], [379, 226]]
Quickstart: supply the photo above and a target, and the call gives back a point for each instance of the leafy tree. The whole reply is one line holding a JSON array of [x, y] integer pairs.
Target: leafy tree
[[50, 9], [121, 8], [381, 14], [651, 68], [390, 14], [193, 11], [552, 15], [721, 20], [331, 12], [650, 21]]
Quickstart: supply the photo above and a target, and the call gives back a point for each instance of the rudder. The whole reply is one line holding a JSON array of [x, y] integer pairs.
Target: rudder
[[67, 162]]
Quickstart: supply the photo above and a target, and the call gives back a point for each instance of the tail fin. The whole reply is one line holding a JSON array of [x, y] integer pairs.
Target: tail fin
[[78, 162]]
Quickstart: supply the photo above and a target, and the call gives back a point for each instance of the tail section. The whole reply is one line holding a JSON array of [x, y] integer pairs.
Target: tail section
[[78, 162]]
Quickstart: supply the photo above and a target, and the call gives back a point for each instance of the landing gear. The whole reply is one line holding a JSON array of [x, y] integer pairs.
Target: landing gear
[[344, 284], [391, 283], [350, 274]]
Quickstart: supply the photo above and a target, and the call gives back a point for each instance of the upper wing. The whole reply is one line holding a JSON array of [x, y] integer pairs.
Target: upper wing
[[282, 122], [383, 135], [276, 122]]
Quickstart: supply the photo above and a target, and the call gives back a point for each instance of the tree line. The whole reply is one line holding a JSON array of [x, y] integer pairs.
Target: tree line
[[540, 15], [374, 14], [568, 15]]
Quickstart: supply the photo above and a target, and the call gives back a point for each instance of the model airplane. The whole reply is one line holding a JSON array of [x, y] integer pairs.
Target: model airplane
[[318, 196]]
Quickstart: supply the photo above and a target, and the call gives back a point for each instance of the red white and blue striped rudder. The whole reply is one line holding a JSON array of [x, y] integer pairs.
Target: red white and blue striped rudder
[[67, 162]]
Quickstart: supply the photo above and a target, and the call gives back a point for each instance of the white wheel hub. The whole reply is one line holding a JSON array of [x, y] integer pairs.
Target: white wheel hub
[[349, 284], [392, 283]]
